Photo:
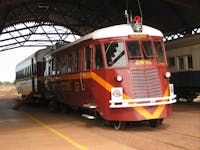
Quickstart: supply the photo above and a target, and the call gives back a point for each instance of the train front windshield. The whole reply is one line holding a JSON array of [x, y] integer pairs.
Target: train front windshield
[[146, 49], [115, 54], [136, 49]]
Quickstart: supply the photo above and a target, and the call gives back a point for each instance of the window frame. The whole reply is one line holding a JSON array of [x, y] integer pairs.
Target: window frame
[[94, 56], [85, 58], [125, 52], [130, 57]]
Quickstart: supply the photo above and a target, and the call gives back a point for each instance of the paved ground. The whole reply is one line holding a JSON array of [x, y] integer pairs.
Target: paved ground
[[33, 128]]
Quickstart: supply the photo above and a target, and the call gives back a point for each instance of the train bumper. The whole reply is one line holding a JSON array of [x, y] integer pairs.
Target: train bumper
[[117, 100]]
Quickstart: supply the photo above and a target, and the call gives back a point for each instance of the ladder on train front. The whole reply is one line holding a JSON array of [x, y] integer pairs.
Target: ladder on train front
[[91, 109]]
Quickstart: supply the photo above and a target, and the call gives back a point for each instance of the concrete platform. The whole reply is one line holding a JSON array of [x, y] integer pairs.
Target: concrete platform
[[34, 128]]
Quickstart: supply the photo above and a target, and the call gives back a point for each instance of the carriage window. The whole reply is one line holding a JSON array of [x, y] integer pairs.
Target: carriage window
[[160, 51], [98, 57], [171, 62], [190, 62], [31, 73], [58, 64], [147, 47], [134, 50], [50, 67], [77, 61], [181, 63], [53, 66], [87, 57], [69, 69], [34, 69], [115, 54], [64, 58]]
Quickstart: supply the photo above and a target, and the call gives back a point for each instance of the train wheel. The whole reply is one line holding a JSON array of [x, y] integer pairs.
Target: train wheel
[[65, 108], [153, 123], [53, 106], [119, 125], [160, 121], [189, 99]]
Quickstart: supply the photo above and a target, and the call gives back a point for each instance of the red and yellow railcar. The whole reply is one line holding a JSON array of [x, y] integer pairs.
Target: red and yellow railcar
[[118, 72]]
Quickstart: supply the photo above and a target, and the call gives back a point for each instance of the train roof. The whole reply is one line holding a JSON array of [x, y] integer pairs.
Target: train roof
[[108, 32], [183, 42], [123, 30], [115, 31]]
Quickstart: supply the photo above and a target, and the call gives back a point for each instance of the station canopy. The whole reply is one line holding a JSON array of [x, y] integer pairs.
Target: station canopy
[[79, 17]]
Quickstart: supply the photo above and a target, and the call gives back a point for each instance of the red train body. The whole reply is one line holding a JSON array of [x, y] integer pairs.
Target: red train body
[[115, 72]]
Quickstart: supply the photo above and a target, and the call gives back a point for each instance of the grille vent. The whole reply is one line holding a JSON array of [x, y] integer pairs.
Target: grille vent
[[146, 83]]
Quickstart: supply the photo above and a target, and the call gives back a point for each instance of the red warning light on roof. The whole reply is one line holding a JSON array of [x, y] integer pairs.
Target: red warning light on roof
[[137, 18]]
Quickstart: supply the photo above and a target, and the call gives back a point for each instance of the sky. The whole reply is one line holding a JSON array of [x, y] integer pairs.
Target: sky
[[9, 60]]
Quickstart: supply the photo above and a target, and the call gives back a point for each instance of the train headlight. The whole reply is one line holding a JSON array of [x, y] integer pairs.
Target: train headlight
[[119, 78], [168, 74]]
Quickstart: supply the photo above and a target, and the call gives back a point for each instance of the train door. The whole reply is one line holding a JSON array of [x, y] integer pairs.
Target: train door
[[40, 77], [81, 63], [86, 65], [98, 78], [92, 76], [79, 85]]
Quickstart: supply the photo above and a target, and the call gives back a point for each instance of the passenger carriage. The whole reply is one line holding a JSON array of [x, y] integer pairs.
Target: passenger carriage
[[184, 63], [30, 75], [118, 72]]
